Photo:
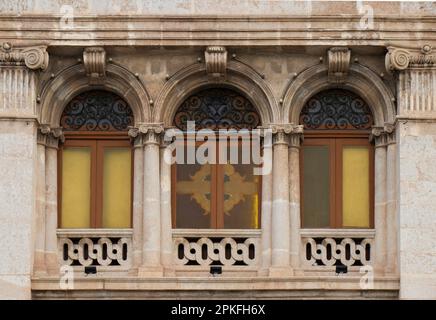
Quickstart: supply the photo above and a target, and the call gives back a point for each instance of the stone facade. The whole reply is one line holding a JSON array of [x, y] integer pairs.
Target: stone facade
[[154, 54]]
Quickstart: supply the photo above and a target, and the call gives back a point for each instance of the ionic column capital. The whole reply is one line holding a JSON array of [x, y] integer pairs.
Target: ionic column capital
[[167, 137], [383, 136], [286, 133], [35, 57], [50, 136], [148, 133], [398, 59]]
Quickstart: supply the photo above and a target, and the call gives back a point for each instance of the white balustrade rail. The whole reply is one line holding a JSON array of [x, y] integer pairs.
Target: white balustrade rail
[[95, 247], [331, 247], [216, 247]]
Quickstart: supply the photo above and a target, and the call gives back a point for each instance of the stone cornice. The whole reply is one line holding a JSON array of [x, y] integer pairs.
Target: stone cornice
[[329, 30], [32, 57], [398, 59]]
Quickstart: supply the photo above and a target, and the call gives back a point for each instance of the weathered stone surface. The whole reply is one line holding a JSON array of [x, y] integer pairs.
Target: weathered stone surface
[[17, 205], [154, 53], [417, 193]]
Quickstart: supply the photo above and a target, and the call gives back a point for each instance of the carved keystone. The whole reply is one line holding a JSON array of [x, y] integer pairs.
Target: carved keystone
[[216, 61], [338, 64]]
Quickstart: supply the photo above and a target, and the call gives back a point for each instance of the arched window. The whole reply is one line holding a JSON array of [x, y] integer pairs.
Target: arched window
[[221, 192], [337, 161], [95, 162]]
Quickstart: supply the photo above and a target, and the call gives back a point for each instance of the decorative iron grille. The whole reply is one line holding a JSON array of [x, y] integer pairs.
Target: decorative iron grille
[[336, 109], [97, 110], [216, 109]]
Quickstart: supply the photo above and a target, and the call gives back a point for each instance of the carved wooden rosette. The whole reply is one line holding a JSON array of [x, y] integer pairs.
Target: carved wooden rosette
[[216, 61], [94, 60], [338, 64], [32, 57], [398, 59]]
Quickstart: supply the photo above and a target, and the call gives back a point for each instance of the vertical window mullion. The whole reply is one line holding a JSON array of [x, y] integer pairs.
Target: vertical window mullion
[[338, 183], [219, 190]]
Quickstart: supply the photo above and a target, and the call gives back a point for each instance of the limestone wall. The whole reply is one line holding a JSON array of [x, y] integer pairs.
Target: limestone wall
[[17, 204]]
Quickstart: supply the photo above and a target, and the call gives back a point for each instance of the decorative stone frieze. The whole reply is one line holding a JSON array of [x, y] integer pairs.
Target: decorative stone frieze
[[32, 57], [50, 137], [94, 60], [338, 64], [216, 61]]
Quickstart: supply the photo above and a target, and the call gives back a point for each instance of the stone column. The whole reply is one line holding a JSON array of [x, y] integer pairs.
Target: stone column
[[392, 222], [18, 170], [151, 231], [138, 193], [294, 196], [416, 181], [280, 222], [379, 137], [165, 207], [266, 208], [52, 139], [39, 255]]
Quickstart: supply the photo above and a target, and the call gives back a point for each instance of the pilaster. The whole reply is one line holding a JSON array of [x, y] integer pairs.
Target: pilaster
[[19, 162], [415, 71]]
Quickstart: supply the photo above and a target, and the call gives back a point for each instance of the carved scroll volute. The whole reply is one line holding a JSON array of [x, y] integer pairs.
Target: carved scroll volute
[[94, 60], [398, 59], [32, 57], [338, 64], [216, 61]]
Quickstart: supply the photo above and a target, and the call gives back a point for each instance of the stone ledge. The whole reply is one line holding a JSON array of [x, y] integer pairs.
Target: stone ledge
[[217, 295], [228, 284]]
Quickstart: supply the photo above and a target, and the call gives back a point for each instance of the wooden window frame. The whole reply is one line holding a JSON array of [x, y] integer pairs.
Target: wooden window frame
[[336, 140], [216, 189], [97, 141]]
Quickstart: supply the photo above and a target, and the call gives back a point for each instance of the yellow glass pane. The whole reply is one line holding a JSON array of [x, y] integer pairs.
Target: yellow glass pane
[[355, 186], [117, 188], [76, 187], [241, 197]]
